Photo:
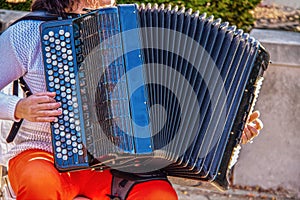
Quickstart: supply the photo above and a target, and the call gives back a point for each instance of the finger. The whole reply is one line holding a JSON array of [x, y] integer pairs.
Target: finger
[[50, 94], [247, 133], [244, 139], [49, 113], [254, 116], [48, 106], [44, 99], [258, 124], [45, 119], [254, 132]]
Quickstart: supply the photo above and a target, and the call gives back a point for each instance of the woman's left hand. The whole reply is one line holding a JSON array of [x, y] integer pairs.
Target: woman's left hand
[[252, 127]]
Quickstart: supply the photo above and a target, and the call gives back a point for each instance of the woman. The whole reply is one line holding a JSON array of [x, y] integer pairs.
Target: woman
[[31, 170]]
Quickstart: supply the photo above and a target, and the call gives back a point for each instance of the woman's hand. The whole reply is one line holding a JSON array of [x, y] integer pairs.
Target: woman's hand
[[252, 128], [40, 107]]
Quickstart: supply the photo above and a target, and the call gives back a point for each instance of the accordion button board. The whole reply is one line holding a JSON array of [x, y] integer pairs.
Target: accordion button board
[[147, 88], [61, 62]]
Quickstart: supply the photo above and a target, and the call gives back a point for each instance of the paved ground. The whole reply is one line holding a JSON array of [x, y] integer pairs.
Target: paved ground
[[277, 16], [194, 190], [290, 3]]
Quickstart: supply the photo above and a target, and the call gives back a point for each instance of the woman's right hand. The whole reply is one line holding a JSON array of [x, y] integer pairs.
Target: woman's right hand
[[252, 127], [39, 107]]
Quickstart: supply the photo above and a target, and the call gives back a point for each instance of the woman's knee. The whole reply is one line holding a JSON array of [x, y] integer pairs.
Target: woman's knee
[[153, 190], [36, 177]]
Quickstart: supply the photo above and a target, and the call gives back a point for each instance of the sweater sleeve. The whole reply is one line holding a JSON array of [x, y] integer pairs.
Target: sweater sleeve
[[10, 70]]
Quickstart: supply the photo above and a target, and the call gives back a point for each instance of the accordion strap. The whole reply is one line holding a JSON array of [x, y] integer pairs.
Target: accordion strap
[[16, 125], [38, 15], [122, 182]]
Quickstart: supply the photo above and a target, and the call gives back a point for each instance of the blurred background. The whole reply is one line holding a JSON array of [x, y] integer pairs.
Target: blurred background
[[269, 168]]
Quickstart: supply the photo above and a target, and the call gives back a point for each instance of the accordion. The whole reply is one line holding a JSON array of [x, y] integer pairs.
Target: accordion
[[147, 88]]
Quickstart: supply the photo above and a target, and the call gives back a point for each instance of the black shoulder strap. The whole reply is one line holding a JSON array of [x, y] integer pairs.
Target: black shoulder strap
[[37, 15], [122, 182], [16, 125]]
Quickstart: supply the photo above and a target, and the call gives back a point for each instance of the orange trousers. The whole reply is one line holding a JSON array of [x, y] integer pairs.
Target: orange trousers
[[33, 177]]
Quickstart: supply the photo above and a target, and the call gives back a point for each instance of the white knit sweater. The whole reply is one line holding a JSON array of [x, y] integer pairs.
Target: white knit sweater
[[20, 55]]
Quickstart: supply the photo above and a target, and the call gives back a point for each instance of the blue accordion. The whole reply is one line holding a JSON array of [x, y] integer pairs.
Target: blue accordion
[[151, 88]]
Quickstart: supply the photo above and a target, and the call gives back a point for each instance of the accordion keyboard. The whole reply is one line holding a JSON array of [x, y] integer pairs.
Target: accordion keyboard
[[61, 69]]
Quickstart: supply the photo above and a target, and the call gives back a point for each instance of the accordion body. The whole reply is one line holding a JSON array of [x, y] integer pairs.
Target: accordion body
[[151, 88]]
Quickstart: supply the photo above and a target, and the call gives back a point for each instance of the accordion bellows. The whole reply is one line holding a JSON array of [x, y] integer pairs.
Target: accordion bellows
[[151, 88]]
